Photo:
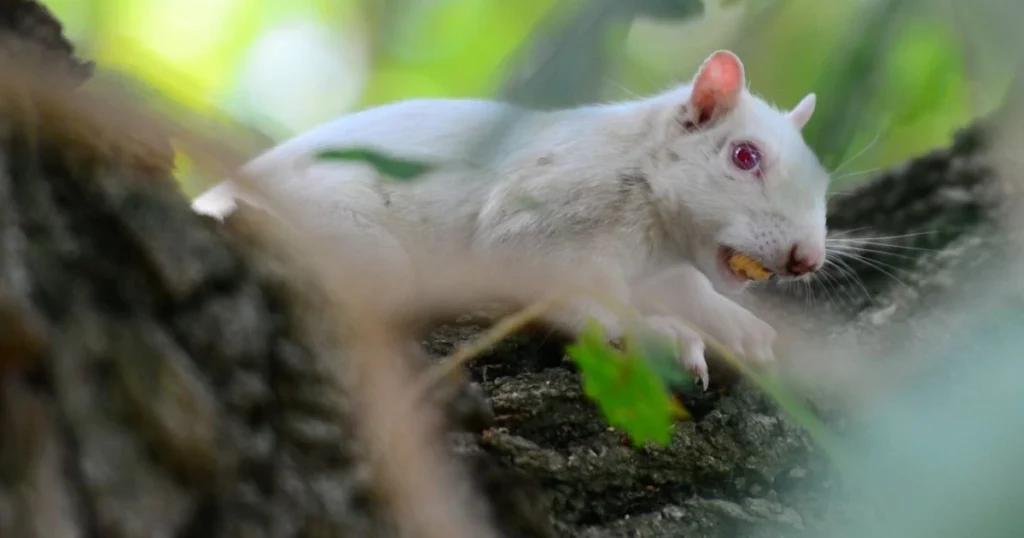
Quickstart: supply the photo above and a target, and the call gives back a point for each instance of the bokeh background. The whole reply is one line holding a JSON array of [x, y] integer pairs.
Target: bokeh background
[[894, 79]]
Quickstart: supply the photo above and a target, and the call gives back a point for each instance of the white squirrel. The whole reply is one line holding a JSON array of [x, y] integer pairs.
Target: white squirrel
[[675, 184]]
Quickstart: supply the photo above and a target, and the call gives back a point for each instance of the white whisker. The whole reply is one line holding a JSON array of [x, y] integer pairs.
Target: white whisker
[[876, 238], [857, 173], [857, 248], [859, 153], [876, 264], [826, 281], [849, 273]]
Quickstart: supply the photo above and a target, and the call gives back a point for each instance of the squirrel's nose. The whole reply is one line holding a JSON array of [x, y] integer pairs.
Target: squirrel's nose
[[802, 260]]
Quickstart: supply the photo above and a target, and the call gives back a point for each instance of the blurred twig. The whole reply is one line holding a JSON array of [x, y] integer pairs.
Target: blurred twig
[[501, 330], [852, 80], [565, 62]]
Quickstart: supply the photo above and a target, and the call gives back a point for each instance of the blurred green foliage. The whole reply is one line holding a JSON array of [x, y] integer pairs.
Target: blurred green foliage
[[893, 78], [630, 393]]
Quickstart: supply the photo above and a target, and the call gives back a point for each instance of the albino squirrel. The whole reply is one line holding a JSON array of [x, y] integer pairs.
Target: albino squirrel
[[705, 182]]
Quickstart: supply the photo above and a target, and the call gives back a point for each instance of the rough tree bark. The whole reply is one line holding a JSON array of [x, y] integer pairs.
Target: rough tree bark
[[154, 382]]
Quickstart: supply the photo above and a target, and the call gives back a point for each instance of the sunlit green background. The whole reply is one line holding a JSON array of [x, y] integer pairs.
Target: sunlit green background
[[282, 66]]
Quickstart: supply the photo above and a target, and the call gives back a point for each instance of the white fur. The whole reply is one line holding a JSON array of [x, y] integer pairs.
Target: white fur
[[584, 166]]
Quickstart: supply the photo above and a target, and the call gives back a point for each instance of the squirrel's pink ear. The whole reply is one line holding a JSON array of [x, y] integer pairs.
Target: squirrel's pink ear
[[717, 85], [803, 111]]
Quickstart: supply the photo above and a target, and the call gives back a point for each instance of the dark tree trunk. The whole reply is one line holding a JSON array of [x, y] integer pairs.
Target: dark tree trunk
[[155, 382]]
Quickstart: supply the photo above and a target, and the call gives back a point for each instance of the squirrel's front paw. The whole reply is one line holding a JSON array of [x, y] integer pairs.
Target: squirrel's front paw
[[689, 344], [743, 333]]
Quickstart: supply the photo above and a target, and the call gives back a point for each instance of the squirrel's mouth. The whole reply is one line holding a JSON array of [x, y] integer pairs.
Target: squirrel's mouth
[[740, 267]]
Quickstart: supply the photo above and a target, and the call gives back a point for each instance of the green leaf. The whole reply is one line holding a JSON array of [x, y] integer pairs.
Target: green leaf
[[628, 391], [386, 165]]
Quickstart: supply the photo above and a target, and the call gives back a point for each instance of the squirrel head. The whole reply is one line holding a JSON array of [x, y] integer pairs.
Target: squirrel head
[[739, 173]]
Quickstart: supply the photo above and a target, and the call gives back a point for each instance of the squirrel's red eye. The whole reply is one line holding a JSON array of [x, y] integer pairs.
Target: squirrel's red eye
[[746, 156]]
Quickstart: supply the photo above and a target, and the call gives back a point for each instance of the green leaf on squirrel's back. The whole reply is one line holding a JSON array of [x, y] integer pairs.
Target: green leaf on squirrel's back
[[389, 166], [630, 394]]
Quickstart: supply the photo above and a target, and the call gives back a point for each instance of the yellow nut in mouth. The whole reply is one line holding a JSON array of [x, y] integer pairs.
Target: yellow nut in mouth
[[744, 265]]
